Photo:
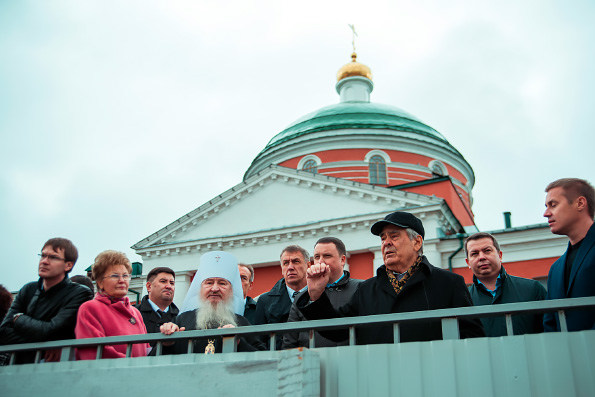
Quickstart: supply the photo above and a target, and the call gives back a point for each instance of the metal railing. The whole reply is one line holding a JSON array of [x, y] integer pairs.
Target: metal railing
[[448, 318]]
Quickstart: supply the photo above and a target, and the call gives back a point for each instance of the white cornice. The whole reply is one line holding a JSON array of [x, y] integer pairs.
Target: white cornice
[[292, 234], [362, 191]]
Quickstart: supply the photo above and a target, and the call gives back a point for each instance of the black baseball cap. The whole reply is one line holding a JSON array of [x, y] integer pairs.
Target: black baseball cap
[[401, 219]]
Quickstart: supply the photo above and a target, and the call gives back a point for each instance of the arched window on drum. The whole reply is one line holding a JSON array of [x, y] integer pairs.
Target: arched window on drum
[[310, 166], [377, 167]]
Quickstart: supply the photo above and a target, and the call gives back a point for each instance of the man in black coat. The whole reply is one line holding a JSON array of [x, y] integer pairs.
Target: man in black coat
[[492, 286], [406, 282], [157, 306], [330, 251], [46, 309], [247, 277], [273, 306]]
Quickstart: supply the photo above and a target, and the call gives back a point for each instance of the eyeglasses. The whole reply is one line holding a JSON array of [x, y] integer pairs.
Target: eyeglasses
[[51, 257], [116, 277]]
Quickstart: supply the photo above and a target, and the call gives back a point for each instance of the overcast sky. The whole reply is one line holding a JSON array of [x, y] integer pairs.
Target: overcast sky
[[118, 117]]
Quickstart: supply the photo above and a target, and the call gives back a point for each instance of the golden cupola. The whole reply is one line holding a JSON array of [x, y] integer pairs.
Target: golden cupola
[[354, 81], [353, 69]]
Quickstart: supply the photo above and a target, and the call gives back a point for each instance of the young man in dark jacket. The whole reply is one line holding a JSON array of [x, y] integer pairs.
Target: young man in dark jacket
[[406, 282], [46, 309], [492, 286]]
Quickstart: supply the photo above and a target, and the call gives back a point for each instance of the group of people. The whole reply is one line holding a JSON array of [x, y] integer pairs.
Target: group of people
[[54, 307]]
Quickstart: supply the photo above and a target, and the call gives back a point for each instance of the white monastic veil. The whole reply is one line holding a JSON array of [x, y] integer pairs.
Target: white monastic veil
[[216, 264]]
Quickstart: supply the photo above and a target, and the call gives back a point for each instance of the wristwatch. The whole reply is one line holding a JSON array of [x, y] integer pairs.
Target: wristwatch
[[14, 318]]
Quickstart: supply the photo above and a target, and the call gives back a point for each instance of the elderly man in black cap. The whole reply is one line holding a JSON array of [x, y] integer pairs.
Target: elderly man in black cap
[[406, 282]]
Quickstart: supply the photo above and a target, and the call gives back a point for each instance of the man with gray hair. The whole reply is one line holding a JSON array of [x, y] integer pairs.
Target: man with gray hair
[[406, 282], [273, 306], [213, 301]]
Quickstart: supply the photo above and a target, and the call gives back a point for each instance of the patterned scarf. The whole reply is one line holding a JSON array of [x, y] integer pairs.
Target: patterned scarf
[[399, 284]]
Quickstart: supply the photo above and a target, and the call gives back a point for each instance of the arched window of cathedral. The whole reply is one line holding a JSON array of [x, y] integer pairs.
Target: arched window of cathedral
[[437, 168], [309, 163], [377, 167], [310, 166]]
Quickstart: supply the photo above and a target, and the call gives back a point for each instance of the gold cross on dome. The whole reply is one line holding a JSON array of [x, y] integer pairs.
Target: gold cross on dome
[[353, 36]]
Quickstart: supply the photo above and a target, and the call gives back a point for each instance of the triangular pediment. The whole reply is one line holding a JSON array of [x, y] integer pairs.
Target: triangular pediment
[[280, 198]]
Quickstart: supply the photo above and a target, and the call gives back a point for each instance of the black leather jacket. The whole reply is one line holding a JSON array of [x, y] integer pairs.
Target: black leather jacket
[[47, 315]]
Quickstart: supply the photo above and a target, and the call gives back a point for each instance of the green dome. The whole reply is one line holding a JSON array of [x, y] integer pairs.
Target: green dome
[[354, 115]]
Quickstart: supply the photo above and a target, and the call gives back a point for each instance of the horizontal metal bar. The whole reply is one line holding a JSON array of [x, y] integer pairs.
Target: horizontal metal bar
[[277, 330]]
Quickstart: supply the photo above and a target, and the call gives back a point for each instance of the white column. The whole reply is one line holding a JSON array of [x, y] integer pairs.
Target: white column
[[183, 280], [378, 260], [431, 252]]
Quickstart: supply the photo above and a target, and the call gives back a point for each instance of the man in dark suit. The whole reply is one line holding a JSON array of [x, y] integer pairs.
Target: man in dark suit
[[570, 206], [157, 306], [273, 306], [247, 277]]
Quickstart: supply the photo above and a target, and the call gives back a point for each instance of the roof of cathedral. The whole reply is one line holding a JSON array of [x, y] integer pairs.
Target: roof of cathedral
[[354, 121], [356, 115]]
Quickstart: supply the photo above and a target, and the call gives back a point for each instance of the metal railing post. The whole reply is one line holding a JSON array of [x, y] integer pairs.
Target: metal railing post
[[450, 328]]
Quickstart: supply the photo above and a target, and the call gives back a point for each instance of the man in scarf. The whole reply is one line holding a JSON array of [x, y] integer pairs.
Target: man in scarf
[[407, 282]]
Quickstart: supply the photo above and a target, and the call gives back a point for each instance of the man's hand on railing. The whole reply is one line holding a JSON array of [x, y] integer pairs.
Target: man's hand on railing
[[317, 276], [170, 328]]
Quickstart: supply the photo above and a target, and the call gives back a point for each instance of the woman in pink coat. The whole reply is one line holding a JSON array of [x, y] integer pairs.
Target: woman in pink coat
[[110, 313]]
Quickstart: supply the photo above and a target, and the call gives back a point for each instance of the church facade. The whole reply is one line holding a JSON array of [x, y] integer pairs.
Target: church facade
[[334, 172]]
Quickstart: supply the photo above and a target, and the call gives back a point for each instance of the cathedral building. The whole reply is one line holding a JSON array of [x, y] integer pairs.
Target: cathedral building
[[334, 172]]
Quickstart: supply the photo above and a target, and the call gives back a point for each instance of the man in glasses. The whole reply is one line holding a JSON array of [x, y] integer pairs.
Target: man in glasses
[[46, 309]]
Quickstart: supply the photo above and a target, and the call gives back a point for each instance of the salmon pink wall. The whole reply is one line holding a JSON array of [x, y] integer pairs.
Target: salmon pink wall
[[534, 268], [330, 156], [447, 191], [264, 279], [360, 265]]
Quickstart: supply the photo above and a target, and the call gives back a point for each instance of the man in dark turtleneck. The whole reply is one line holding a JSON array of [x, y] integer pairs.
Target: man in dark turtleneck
[[570, 207]]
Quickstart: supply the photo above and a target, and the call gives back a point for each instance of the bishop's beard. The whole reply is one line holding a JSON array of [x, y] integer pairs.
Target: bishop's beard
[[210, 315]]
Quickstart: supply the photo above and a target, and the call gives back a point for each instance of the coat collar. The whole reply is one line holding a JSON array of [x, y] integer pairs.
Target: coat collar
[[145, 306], [503, 276], [586, 246], [424, 272], [65, 281], [279, 288]]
